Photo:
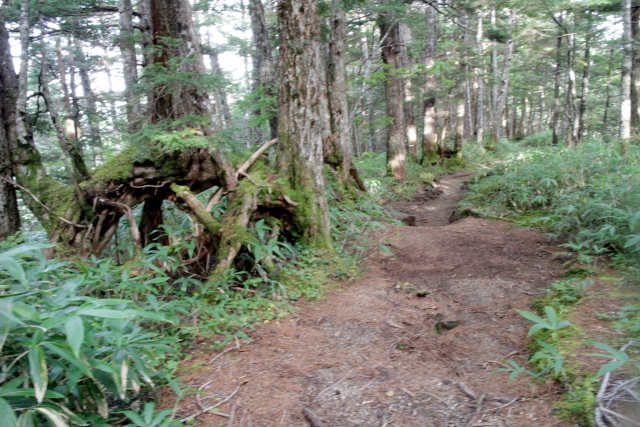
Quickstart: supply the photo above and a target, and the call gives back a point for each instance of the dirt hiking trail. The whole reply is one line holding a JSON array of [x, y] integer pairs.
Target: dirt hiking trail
[[412, 343]]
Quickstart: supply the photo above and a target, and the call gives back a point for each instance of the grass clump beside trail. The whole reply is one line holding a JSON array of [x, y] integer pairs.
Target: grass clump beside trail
[[587, 199]]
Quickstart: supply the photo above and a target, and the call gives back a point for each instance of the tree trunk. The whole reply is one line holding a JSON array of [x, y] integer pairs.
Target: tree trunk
[[480, 76], [396, 154], [495, 116], [129, 66], [556, 93], [337, 148], [409, 116], [91, 109], [69, 121], [303, 118], [501, 99], [459, 123], [627, 64], [78, 170], [635, 72], [466, 45], [585, 89], [221, 92], [429, 136], [264, 69], [9, 214], [11, 118], [461, 89], [607, 95], [173, 99], [365, 96], [571, 107]]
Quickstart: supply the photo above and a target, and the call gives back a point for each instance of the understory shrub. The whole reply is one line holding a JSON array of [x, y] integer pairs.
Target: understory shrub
[[588, 197]]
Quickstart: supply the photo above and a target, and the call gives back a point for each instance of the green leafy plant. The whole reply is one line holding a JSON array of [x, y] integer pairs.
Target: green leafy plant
[[68, 356], [516, 370], [620, 358], [589, 196], [549, 358], [551, 322], [150, 418]]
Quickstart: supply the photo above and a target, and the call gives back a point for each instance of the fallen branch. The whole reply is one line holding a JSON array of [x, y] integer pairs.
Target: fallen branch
[[251, 160], [246, 175], [622, 417], [603, 390], [212, 226]]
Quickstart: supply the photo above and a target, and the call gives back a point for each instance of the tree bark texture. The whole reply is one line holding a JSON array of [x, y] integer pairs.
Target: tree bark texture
[[607, 96], [303, 116], [91, 110], [556, 93], [337, 148], [627, 64], [572, 106], [495, 75], [220, 91], [177, 53], [78, 170], [396, 153], [461, 86], [264, 67], [480, 76], [501, 99], [429, 135], [585, 90], [130, 65], [409, 116], [9, 214], [635, 72]]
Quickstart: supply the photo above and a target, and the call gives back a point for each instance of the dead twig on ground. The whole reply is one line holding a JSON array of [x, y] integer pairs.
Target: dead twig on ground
[[232, 414], [601, 401], [237, 346], [311, 417], [212, 407], [198, 399], [435, 397], [327, 389], [622, 417], [480, 401], [466, 390], [516, 399]]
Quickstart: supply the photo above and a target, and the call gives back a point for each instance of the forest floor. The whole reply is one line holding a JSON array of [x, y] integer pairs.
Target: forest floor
[[370, 353]]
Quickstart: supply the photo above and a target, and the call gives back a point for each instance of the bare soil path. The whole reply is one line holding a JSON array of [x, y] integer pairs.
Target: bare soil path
[[412, 343]]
